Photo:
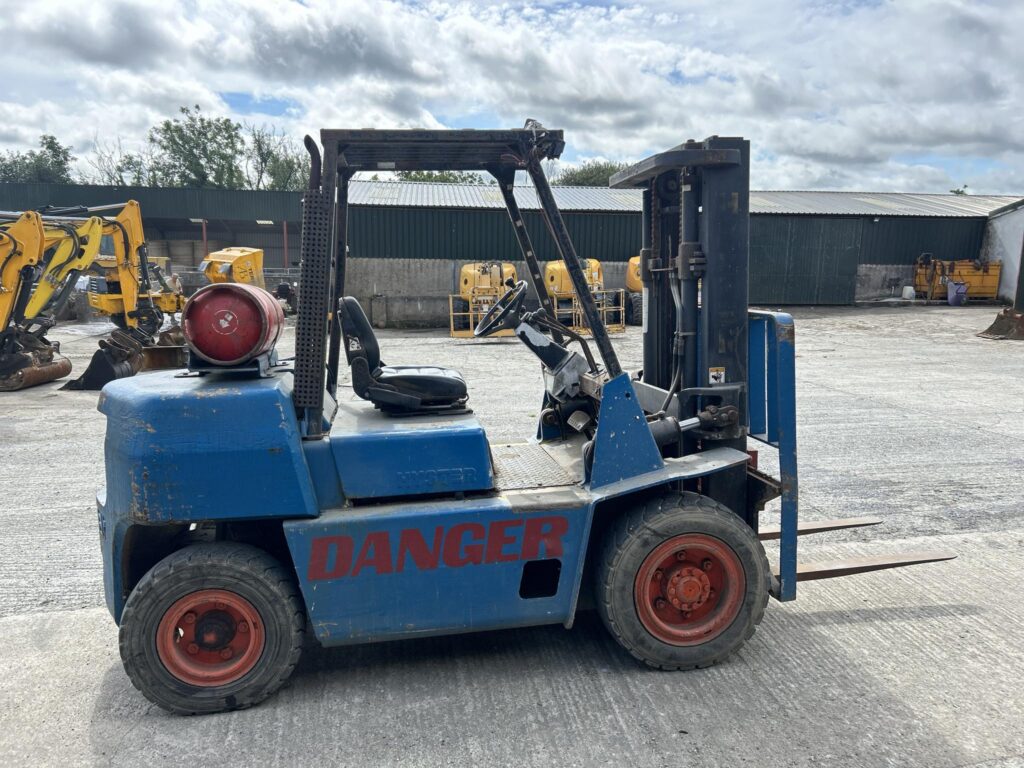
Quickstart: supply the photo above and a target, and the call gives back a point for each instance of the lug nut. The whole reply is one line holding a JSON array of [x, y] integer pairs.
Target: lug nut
[[707, 564], [243, 627], [192, 648], [190, 618], [681, 554], [658, 575], [659, 603], [226, 654]]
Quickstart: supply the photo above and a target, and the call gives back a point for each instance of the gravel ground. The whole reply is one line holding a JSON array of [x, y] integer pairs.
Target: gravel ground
[[903, 413]]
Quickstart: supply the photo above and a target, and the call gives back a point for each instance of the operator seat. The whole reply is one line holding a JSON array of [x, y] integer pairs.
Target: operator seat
[[403, 389]]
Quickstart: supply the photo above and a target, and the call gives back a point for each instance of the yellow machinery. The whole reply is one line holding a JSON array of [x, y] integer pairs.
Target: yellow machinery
[[480, 285], [32, 251], [634, 293], [123, 268], [235, 265], [568, 311], [931, 276], [42, 257]]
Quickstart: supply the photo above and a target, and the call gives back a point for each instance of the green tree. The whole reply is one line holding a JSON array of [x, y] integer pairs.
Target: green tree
[[51, 163], [198, 151], [273, 161], [113, 165], [444, 177], [962, 190], [592, 173]]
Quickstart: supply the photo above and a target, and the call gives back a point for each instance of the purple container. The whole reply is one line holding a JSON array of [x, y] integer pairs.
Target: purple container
[[956, 293]]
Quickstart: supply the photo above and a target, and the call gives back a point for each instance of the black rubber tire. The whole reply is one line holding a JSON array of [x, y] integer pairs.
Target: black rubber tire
[[239, 568], [635, 535], [636, 309]]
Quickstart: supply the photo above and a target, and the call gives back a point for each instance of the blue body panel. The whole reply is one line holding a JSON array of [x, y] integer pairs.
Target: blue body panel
[[434, 567], [204, 448], [623, 445], [379, 456]]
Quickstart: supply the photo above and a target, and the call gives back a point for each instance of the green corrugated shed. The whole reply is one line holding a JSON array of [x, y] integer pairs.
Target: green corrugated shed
[[474, 235], [805, 247], [803, 259], [901, 240]]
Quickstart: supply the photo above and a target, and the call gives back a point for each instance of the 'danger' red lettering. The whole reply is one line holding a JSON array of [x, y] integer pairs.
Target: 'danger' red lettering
[[455, 554], [498, 539], [323, 548], [411, 542], [380, 545], [547, 531]]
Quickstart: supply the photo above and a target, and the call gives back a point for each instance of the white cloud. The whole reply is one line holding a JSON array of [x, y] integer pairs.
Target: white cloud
[[914, 95]]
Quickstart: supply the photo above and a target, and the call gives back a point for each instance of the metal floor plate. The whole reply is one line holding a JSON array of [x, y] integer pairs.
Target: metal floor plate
[[526, 465]]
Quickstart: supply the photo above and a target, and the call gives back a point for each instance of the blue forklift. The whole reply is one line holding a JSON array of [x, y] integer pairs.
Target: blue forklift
[[249, 499]]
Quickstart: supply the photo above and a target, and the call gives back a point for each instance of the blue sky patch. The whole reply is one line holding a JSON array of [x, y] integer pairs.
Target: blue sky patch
[[247, 104]]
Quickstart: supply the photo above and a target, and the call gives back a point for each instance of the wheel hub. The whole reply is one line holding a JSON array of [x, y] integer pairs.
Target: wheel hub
[[215, 630], [688, 588], [210, 637]]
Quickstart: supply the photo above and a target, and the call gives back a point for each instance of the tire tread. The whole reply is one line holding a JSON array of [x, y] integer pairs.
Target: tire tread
[[649, 515]]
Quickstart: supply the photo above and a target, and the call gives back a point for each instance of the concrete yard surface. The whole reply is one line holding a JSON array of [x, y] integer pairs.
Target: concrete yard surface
[[903, 414]]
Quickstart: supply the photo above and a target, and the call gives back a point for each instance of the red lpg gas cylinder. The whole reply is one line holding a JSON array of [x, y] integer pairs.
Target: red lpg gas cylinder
[[231, 323]]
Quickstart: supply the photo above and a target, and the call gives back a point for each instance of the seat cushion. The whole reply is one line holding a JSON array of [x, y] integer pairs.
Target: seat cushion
[[433, 385]]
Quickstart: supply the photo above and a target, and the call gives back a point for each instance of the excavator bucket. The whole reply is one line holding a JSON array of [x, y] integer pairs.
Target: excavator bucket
[[129, 351], [119, 356], [29, 369], [168, 353], [1008, 324]]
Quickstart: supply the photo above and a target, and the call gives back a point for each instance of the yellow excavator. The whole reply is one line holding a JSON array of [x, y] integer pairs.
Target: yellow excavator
[[43, 253], [41, 259], [121, 285]]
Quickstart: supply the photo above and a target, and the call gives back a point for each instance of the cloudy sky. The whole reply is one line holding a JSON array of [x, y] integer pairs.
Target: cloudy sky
[[910, 95]]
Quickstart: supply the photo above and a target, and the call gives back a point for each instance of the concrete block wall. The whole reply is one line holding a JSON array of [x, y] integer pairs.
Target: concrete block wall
[[413, 293], [402, 293], [1004, 241], [882, 281]]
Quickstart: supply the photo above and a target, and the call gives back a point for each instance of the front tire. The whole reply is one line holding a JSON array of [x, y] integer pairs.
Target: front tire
[[212, 627], [682, 583]]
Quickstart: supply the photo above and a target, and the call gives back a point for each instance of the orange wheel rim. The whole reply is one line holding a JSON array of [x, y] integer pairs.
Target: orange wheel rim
[[210, 637], [689, 589]]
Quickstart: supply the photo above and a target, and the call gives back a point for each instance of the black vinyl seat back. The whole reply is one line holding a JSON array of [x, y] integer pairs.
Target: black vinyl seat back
[[404, 389], [360, 340]]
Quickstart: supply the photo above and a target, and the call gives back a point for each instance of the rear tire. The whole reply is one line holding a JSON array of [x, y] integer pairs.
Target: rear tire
[[212, 627], [682, 583]]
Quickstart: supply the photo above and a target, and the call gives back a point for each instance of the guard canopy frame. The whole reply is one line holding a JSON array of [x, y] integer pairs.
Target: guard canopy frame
[[325, 205]]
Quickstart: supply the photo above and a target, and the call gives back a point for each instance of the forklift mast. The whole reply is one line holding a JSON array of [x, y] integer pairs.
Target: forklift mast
[[694, 265]]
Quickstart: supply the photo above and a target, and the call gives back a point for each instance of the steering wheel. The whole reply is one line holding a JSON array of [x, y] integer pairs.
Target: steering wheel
[[505, 310]]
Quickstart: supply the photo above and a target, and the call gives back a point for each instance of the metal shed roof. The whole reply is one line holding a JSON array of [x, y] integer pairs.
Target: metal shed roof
[[242, 205], [417, 194], [431, 195], [877, 204]]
